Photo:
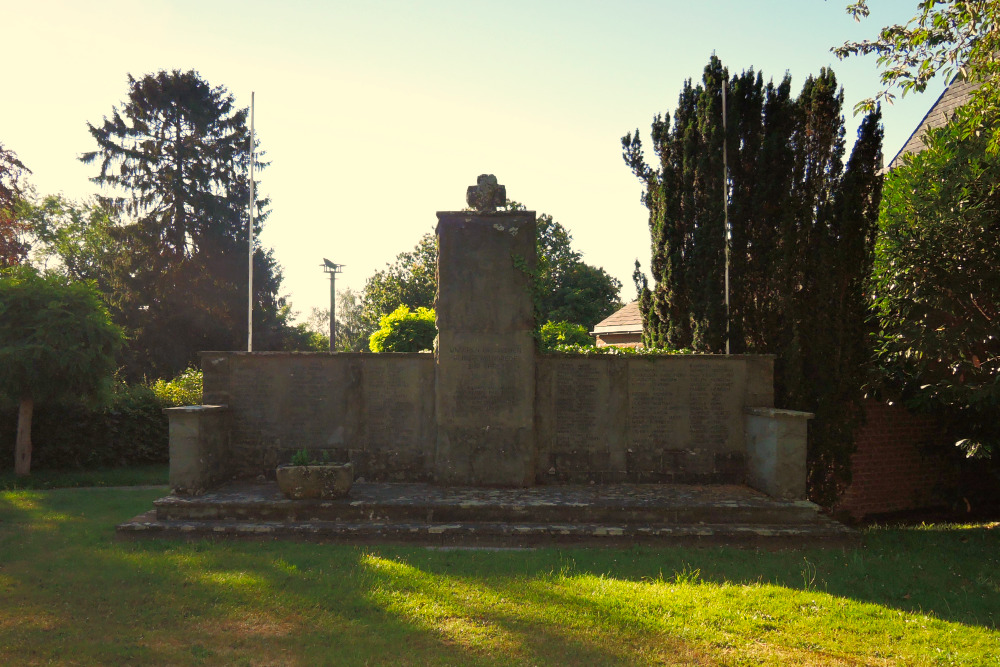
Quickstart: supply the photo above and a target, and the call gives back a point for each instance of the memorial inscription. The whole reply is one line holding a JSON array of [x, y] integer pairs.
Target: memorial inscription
[[391, 412], [713, 393], [577, 407], [657, 404]]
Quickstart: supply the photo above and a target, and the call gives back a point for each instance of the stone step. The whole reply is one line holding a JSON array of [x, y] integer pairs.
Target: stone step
[[489, 534], [636, 505]]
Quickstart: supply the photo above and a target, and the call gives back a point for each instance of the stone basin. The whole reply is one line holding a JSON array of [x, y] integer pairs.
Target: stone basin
[[324, 480]]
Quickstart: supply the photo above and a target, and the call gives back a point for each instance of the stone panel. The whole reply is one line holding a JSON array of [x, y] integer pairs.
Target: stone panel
[[283, 402], [685, 418], [582, 419], [398, 416], [485, 402], [482, 282]]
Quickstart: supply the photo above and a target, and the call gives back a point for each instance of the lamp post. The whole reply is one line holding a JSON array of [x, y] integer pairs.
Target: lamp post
[[333, 270]]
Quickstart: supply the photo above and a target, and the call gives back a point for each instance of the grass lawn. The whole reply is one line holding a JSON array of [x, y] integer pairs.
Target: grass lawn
[[69, 593]]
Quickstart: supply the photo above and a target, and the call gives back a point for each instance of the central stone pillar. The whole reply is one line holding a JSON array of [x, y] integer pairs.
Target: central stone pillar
[[485, 381]]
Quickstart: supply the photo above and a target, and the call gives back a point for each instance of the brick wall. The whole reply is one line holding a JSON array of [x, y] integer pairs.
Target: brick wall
[[893, 470]]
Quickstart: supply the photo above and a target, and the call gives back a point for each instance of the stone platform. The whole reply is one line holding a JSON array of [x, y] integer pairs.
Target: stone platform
[[613, 515]]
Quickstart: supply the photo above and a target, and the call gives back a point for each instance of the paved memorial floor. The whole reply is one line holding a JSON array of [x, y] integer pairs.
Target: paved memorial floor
[[589, 515]]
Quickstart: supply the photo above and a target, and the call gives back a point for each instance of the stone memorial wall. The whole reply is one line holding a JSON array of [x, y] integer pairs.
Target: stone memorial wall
[[374, 410], [486, 409], [597, 418], [647, 419]]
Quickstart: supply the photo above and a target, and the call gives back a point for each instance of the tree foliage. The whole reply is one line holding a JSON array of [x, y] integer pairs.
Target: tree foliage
[[405, 331], [174, 160], [56, 342], [563, 333], [948, 37], [571, 290], [802, 227], [76, 240], [410, 281], [937, 287], [13, 249]]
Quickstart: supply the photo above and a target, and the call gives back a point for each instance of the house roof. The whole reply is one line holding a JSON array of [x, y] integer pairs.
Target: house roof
[[625, 320], [954, 96]]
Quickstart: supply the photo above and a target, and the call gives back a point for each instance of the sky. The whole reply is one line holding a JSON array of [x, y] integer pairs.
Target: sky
[[374, 115]]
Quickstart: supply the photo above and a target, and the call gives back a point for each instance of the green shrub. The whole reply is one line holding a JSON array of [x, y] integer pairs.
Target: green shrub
[[619, 351], [129, 429], [563, 333], [405, 331], [185, 389]]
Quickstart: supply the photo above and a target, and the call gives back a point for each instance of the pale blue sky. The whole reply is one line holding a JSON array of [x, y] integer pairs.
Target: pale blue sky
[[377, 114]]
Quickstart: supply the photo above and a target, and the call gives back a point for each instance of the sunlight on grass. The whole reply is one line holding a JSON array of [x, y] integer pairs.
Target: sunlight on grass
[[772, 622], [26, 502], [442, 604], [243, 581], [35, 514]]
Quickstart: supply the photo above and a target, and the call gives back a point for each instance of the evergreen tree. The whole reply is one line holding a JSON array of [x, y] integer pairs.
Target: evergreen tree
[[175, 158], [801, 238]]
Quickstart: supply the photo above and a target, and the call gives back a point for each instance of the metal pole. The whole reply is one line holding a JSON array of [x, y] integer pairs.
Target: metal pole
[[250, 251], [333, 311], [725, 200]]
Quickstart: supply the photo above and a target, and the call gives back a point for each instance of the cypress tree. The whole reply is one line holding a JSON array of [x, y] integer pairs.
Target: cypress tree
[[801, 240]]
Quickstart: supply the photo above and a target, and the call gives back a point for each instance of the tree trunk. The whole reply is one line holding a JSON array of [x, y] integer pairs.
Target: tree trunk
[[22, 450]]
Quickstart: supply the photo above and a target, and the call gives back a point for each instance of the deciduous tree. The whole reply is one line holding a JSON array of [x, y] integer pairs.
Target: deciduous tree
[[410, 281], [405, 331], [947, 37], [13, 249], [937, 287], [56, 342]]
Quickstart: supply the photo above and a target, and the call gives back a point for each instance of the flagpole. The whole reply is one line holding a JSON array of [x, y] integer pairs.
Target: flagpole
[[250, 234], [725, 200]]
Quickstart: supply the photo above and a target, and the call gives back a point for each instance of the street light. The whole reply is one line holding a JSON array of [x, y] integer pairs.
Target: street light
[[333, 270]]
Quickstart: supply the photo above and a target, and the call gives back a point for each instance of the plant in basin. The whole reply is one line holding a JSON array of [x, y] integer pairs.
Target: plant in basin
[[310, 477]]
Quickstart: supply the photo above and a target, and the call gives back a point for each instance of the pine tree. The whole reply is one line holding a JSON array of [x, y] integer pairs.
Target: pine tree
[[175, 160]]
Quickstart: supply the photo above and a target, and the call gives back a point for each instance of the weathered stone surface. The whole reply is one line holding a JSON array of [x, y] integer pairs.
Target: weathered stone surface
[[327, 480], [599, 515], [200, 456], [376, 411], [601, 419], [582, 419], [486, 196], [776, 451], [485, 380]]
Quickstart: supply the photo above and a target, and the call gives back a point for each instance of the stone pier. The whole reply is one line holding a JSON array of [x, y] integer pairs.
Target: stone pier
[[485, 358]]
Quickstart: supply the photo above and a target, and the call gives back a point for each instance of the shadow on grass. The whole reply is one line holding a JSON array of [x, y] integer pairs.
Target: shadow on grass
[[75, 594]]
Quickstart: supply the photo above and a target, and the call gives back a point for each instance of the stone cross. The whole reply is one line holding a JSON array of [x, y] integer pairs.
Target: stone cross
[[486, 196]]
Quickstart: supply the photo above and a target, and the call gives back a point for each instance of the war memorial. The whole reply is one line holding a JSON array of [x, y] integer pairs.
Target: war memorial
[[487, 442]]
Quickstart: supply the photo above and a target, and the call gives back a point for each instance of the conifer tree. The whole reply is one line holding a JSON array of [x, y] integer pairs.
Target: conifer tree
[[801, 238], [174, 159]]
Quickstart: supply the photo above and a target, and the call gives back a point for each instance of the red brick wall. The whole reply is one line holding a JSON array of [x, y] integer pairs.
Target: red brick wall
[[891, 470]]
